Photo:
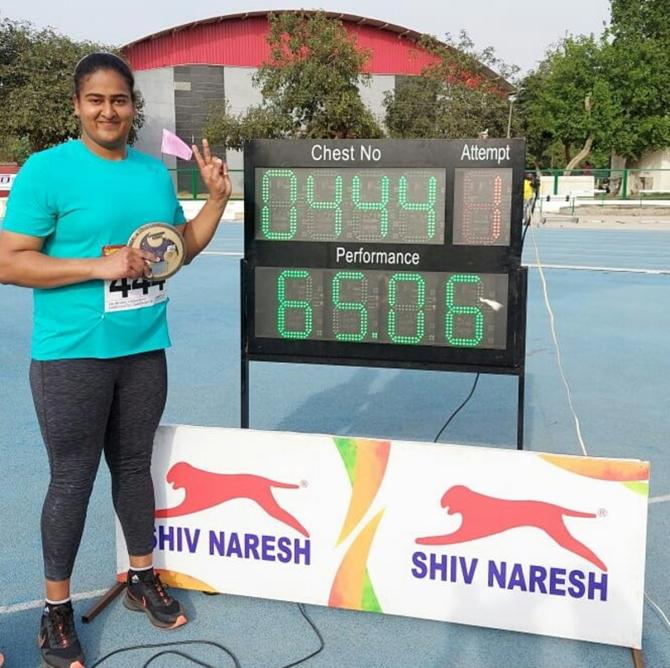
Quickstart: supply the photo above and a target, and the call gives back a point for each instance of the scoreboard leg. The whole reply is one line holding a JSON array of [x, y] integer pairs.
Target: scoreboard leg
[[244, 394], [244, 360], [519, 415]]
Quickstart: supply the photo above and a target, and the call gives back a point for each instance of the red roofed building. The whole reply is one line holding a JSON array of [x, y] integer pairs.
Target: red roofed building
[[183, 70]]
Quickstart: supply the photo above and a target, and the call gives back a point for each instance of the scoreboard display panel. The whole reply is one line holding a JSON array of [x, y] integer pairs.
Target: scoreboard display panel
[[385, 252]]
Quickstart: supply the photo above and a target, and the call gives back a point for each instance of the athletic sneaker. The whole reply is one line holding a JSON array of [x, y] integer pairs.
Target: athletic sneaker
[[58, 638], [146, 593]]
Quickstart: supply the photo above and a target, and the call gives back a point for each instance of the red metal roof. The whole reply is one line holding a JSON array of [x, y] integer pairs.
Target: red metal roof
[[240, 40]]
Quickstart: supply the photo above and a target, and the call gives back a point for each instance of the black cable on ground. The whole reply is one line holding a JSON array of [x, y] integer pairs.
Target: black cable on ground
[[210, 643], [133, 648], [528, 221], [188, 657], [455, 413], [322, 644], [525, 229]]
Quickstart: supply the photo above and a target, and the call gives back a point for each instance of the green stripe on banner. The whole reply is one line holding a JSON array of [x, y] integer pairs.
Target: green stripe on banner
[[348, 450], [639, 487], [369, 601]]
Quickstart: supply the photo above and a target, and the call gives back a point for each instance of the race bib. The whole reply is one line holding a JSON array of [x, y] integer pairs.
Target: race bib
[[125, 294]]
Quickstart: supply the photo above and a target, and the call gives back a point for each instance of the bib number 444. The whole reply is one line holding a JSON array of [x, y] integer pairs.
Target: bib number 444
[[124, 286], [125, 294]]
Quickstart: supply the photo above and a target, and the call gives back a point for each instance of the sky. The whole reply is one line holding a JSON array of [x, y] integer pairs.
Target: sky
[[519, 30]]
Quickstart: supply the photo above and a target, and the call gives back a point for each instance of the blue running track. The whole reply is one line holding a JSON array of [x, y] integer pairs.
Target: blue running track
[[613, 328]]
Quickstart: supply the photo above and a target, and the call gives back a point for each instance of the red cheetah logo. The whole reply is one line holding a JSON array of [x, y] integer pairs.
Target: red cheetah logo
[[487, 515], [205, 489]]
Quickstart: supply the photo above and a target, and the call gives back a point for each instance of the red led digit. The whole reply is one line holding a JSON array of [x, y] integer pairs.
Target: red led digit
[[482, 206], [477, 189]]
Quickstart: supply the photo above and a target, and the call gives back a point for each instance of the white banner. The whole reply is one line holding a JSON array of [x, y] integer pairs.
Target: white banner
[[524, 541]]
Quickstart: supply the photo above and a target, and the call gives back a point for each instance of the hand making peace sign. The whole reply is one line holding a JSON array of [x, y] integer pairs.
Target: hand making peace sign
[[214, 172]]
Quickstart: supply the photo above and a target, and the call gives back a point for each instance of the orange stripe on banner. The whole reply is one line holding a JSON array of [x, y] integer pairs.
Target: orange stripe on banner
[[601, 469], [348, 585], [371, 460], [183, 581]]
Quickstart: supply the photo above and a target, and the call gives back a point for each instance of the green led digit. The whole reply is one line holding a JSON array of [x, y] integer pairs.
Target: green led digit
[[380, 206], [266, 218], [351, 306], [301, 304], [334, 205], [454, 310], [428, 206], [416, 307]]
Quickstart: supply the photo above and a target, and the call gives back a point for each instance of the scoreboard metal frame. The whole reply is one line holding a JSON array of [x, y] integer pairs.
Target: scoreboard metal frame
[[437, 255]]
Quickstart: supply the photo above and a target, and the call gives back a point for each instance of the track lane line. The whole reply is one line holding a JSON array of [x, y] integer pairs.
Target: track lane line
[[39, 603]]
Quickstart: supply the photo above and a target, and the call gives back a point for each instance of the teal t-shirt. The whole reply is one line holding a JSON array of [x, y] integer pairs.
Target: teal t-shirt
[[79, 203]]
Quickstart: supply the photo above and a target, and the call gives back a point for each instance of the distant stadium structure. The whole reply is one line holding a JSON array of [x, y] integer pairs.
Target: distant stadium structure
[[181, 71]]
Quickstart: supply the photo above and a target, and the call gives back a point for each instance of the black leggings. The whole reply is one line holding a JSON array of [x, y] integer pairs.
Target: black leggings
[[85, 406]]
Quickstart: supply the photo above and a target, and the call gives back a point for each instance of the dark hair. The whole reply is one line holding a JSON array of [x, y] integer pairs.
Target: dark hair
[[102, 61]]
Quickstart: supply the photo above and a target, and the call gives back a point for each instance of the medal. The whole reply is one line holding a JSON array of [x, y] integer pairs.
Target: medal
[[163, 241]]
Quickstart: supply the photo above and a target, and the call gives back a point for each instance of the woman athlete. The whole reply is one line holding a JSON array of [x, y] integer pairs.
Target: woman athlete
[[98, 373]]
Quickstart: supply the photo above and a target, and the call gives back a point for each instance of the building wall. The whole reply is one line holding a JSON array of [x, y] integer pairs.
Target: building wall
[[653, 180], [197, 87], [179, 99], [240, 91], [373, 95], [157, 89], [240, 95]]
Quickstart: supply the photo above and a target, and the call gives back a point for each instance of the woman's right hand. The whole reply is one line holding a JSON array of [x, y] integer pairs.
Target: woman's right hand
[[124, 263]]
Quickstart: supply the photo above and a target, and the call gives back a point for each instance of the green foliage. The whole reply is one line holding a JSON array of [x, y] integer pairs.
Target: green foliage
[[309, 86], [413, 109], [230, 130], [14, 149], [460, 62], [624, 75], [542, 146], [640, 19], [460, 95], [639, 70], [569, 100], [36, 88]]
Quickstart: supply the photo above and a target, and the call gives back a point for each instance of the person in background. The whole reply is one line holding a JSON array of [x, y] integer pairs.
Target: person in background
[[98, 375], [529, 197], [528, 190]]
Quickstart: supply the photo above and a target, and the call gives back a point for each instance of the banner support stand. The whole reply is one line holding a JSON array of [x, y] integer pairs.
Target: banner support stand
[[103, 602], [638, 658]]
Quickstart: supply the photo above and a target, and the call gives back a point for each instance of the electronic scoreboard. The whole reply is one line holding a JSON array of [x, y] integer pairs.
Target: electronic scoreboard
[[398, 253]]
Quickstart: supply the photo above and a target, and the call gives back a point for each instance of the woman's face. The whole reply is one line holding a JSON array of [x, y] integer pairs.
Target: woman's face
[[105, 108]]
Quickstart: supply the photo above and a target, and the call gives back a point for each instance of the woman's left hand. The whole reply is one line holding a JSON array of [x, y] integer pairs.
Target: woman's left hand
[[214, 172]]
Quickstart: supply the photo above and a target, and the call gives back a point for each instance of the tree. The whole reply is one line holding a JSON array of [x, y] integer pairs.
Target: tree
[[602, 96], [569, 100], [537, 126], [457, 96], [638, 67], [257, 122], [36, 88], [414, 109], [310, 86]]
